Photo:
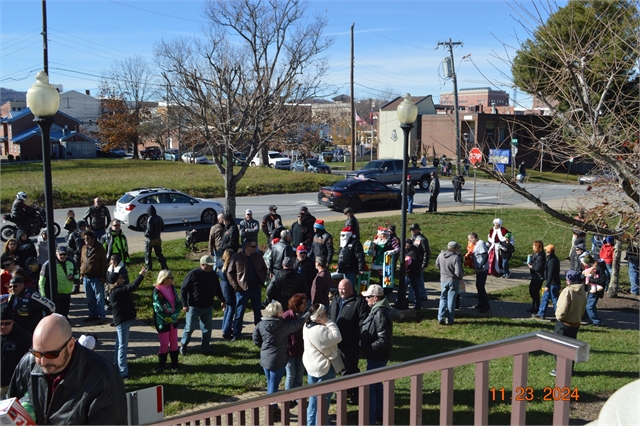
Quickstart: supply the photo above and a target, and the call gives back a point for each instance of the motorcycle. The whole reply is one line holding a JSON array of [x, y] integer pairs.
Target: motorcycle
[[9, 231]]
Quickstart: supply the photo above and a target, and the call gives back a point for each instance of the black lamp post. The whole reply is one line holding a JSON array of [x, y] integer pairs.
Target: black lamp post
[[43, 99], [407, 114]]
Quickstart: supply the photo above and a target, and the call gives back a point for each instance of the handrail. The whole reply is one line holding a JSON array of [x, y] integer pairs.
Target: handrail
[[567, 350]]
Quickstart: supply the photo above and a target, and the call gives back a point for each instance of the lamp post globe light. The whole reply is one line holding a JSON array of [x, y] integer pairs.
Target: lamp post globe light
[[407, 113], [43, 100]]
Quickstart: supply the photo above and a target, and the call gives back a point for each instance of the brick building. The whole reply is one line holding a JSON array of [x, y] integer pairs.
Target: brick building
[[484, 96]]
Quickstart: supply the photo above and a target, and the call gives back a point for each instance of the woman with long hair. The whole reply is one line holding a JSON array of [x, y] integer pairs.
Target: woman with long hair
[[166, 309], [229, 296], [536, 262], [321, 357]]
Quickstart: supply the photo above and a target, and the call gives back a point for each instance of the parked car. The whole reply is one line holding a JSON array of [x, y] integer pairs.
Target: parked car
[[326, 156], [172, 205], [597, 177], [276, 160], [312, 165], [151, 153], [117, 152], [172, 154], [390, 172], [238, 159], [359, 193], [194, 158]]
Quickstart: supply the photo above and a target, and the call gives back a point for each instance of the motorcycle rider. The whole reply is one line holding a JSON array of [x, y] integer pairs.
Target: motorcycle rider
[[98, 217], [23, 214]]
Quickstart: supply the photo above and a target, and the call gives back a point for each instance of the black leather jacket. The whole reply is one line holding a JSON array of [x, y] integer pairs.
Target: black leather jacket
[[155, 224], [279, 251], [351, 257], [230, 238], [349, 320], [377, 332], [91, 392], [98, 217]]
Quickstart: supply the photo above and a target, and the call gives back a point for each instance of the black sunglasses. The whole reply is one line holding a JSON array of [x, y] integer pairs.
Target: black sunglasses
[[249, 245], [6, 323], [50, 354]]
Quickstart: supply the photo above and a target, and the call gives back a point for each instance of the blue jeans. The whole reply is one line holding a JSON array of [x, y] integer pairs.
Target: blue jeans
[[633, 278], [94, 289], [448, 292], [230, 300], [375, 392], [505, 266], [274, 377], [411, 297], [353, 277], [410, 204], [592, 311], [414, 284], [313, 402], [120, 349], [553, 292], [295, 371], [242, 299], [203, 315], [481, 282]]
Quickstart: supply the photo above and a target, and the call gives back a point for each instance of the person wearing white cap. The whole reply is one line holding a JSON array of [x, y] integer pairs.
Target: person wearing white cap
[[249, 227], [198, 289], [376, 342]]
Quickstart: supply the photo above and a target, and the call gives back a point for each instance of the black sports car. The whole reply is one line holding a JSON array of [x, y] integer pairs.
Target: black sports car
[[359, 193]]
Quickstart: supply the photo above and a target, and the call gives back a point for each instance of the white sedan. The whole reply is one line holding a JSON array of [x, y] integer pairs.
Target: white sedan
[[173, 206], [196, 158]]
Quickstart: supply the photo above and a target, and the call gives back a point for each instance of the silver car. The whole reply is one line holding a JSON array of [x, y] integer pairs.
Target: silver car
[[171, 205]]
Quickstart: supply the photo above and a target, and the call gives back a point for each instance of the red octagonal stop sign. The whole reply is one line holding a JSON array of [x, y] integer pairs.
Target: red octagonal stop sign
[[475, 155]]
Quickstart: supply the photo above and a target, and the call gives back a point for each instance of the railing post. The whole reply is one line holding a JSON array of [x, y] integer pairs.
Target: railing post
[[302, 411], [520, 371], [564, 369], [255, 416], [341, 407], [321, 405], [363, 402], [388, 405], [446, 397], [415, 400], [481, 404]]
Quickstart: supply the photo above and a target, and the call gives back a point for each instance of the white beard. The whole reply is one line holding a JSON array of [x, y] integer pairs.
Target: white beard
[[344, 238]]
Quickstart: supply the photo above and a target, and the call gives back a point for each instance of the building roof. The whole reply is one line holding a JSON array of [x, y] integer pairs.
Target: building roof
[[15, 115], [57, 134], [393, 105]]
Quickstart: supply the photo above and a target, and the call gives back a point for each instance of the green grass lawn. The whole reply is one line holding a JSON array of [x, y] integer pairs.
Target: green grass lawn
[[235, 369], [78, 182]]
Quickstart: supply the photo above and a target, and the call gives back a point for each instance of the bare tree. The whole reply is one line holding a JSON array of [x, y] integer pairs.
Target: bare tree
[[580, 62], [127, 87], [242, 82]]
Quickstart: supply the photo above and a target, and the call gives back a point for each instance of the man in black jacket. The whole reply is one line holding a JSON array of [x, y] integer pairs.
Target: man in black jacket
[[434, 187], [458, 182], [15, 343], [230, 235], [552, 280], [279, 251], [351, 259], [306, 267], [268, 222], [155, 226], [423, 243], [285, 283], [413, 260], [376, 336], [349, 311], [199, 288], [98, 217], [91, 391]]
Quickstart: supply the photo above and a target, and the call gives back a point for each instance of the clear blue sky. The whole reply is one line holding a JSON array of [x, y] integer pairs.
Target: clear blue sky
[[394, 40]]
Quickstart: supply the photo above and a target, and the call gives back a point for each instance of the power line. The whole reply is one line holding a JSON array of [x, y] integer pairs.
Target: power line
[[157, 13], [393, 40]]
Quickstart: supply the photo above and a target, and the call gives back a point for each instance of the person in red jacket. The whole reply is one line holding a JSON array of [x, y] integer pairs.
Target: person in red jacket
[[606, 253]]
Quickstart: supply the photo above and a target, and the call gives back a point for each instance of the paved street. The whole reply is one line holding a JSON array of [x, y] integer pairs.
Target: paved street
[[488, 194]]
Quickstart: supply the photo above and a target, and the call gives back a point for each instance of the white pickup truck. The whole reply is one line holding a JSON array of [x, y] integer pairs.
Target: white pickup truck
[[276, 160]]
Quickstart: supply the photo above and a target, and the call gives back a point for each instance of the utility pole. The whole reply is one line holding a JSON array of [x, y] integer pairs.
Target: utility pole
[[449, 44], [353, 108]]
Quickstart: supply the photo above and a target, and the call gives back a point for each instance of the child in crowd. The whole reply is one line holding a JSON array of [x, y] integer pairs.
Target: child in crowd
[[70, 224], [507, 249], [606, 252]]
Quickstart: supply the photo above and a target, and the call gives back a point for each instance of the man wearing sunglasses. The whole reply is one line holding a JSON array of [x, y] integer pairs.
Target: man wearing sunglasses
[[66, 382], [27, 306], [15, 343]]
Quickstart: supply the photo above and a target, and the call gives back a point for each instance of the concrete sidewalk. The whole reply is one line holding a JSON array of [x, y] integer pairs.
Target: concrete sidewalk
[[143, 339]]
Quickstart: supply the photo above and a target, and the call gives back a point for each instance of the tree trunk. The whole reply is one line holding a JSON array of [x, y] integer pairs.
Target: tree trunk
[[615, 270], [230, 183]]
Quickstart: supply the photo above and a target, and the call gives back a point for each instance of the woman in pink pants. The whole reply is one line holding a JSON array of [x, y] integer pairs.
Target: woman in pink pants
[[166, 309]]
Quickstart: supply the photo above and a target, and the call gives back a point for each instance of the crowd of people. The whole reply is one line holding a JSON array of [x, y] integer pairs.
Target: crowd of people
[[307, 324]]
